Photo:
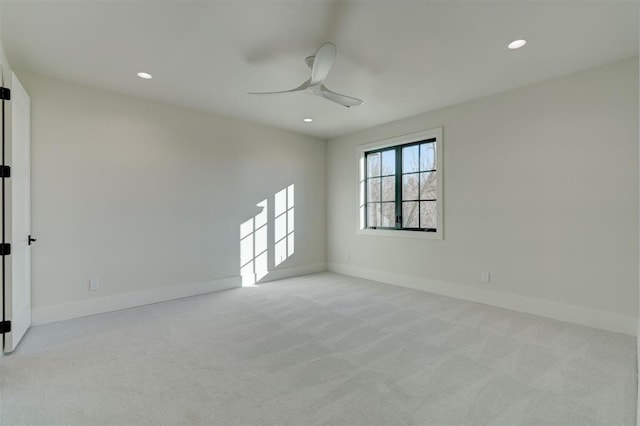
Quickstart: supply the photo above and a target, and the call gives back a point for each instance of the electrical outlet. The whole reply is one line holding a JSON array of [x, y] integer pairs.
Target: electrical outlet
[[485, 277], [94, 285]]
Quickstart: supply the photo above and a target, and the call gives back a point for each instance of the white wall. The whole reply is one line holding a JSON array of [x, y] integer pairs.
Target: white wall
[[541, 190], [148, 198], [3, 57], [638, 331]]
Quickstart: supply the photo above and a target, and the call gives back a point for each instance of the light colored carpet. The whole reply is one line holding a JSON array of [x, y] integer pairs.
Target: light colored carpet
[[323, 348]]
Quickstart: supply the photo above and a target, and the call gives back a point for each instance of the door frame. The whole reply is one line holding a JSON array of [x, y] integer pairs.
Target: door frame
[[5, 137]]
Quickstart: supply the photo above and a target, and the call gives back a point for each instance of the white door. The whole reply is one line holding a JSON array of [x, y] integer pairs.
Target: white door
[[19, 306]]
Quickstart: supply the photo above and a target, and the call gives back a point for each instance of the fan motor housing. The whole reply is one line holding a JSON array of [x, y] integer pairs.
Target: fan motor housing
[[309, 60]]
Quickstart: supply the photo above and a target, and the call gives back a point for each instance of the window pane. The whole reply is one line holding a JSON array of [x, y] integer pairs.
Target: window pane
[[389, 215], [410, 187], [373, 187], [373, 215], [388, 188], [428, 156], [410, 215], [410, 159], [389, 162], [427, 186], [428, 214], [373, 165]]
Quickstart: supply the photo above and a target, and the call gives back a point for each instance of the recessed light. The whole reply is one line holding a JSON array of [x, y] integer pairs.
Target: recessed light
[[145, 75], [517, 44], [308, 120]]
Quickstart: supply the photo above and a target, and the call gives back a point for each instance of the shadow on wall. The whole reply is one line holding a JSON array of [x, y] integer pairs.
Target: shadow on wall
[[254, 238]]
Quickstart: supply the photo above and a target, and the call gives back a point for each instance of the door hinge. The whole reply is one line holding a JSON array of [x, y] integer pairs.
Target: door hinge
[[5, 94], [5, 171], [5, 249], [5, 327]]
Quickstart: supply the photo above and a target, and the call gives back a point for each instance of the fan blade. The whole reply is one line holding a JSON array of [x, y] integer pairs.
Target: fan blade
[[300, 88], [322, 63], [344, 100]]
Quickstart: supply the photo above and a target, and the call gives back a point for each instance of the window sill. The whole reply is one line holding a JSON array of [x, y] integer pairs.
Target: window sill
[[421, 235]]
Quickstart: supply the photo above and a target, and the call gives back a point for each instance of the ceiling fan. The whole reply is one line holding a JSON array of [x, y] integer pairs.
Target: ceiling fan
[[320, 65]]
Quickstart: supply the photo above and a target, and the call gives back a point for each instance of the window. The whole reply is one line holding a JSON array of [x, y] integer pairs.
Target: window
[[400, 185]]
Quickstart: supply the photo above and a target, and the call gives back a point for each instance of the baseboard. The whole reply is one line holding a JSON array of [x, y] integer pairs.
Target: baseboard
[[589, 317], [83, 308], [294, 271]]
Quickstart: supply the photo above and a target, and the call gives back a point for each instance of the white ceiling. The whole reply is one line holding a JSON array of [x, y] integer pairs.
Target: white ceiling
[[401, 57]]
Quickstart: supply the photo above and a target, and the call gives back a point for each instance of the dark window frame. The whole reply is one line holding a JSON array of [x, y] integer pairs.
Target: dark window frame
[[398, 174]]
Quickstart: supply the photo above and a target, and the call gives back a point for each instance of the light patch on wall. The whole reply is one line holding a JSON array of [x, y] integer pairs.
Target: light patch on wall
[[284, 225], [254, 248]]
